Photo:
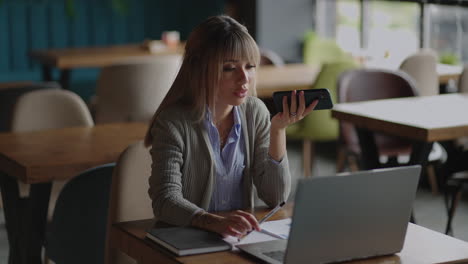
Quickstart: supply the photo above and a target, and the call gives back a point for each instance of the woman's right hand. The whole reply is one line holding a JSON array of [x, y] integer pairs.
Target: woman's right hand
[[236, 223]]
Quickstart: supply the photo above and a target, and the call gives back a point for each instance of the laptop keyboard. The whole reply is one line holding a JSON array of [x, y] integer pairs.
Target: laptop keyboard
[[276, 255]]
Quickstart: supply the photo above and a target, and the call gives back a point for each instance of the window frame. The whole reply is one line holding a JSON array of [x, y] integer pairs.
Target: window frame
[[323, 19]]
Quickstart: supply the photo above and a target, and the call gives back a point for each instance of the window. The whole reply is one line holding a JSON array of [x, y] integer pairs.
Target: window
[[448, 32], [393, 29], [348, 24]]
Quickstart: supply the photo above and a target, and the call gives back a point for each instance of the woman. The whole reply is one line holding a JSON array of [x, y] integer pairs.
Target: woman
[[212, 142]]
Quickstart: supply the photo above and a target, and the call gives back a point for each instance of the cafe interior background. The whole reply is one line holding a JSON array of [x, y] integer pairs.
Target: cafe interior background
[[367, 29], [374, 31]]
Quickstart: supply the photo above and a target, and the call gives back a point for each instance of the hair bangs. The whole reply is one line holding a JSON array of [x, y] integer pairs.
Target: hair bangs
[[241, 46]]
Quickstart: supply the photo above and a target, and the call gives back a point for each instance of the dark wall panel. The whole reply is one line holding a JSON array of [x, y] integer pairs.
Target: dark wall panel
[[183, 15], [202, 9], [4, 40], [136, 21], [100, 23], [118, 28], [80, 24], [58, 24], [39, 32], [19, 38], [27, 25]]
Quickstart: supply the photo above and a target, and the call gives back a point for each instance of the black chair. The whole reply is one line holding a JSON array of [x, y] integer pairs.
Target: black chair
[[77, 232], [366, 84], [455, 172], [363, 85], [453, 193], [456, 168]]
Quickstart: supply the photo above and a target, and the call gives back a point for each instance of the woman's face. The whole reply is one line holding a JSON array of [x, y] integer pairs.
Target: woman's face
[[237, 78]]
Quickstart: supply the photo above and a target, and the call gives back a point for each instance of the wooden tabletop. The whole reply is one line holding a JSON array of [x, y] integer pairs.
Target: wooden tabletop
[[44, 156], [424, 118], [286, 78], [448, 72], [421, 246], [269, 79], [99, 56], [10, 85]]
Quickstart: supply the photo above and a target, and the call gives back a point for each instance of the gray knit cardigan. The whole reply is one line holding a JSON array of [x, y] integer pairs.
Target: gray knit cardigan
[[182, 176]]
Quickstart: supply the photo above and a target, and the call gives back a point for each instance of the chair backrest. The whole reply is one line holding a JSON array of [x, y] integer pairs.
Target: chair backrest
[[318, 50], [9, 96], [269, 57], [129, 199], [50, 109], [319, 125], [463, 81], [422, 67], [77, 232], [371, 84], [132, 90]]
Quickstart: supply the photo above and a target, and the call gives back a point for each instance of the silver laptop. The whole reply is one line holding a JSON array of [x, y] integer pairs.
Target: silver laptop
[[345, 217]]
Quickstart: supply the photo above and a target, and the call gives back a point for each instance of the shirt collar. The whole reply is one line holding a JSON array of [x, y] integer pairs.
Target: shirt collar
[[236, 114]]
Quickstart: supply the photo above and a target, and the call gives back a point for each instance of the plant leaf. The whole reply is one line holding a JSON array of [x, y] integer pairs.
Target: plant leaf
[[120, 6], [70, 8]]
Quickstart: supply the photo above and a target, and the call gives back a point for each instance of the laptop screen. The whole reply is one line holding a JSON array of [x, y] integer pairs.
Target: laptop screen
[[352, 216], [345, 217]]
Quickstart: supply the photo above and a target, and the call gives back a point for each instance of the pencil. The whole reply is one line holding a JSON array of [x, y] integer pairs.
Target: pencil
[[266, 217]]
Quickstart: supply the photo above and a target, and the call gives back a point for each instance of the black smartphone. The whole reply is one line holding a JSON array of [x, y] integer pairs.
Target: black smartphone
[[322, 94]]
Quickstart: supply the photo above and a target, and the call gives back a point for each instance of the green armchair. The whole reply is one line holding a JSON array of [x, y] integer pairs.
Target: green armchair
[[319, 125], [317, 50]]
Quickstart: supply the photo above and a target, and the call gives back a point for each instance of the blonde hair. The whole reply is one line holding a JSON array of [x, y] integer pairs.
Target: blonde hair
[[212, 42]]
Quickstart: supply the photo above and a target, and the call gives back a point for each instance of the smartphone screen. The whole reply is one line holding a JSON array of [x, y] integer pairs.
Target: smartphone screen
[[322, 94]]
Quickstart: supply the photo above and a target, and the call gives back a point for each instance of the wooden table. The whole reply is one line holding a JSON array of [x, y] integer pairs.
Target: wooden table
[[421, 246], [423, 119], [448, 72], [39, 158], [270, 78], [445, 72], [10, 85], [91, 57], [286, 78]]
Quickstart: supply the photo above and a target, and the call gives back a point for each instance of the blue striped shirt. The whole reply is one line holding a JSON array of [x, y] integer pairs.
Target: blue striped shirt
[[229, 165]]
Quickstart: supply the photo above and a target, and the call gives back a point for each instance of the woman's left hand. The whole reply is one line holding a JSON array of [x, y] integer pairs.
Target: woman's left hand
[[292, 114]]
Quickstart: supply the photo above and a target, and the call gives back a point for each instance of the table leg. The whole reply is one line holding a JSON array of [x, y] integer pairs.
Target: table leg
[[46, 73], [65, 79], [35, 220], [420, 153], [25, 220], [369, 152], [65, 76], [13, 207]]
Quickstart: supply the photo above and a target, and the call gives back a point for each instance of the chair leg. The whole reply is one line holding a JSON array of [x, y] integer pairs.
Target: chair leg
[[431, 175], [24, 189], [353, 163], [340, 159], [412, 218], [307, 157], [456, 195]]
